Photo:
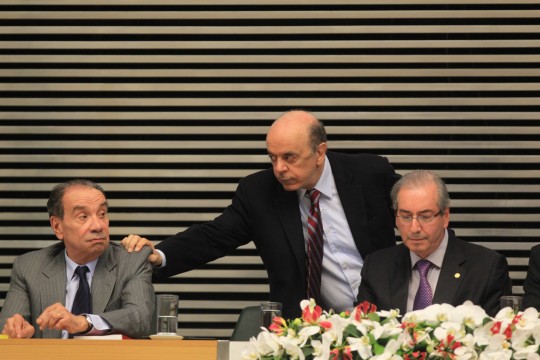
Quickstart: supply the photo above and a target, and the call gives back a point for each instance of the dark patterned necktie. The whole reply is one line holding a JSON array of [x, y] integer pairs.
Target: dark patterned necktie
[[314, 246], [424, 296], [83, 300]]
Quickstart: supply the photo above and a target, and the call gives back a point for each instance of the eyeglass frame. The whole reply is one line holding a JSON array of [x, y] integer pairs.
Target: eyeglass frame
[[427, 219]]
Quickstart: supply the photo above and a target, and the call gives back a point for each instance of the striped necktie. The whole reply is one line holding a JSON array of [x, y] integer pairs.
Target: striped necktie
[[314, 246]]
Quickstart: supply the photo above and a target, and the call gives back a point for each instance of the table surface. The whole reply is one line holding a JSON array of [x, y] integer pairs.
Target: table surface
[[58, 349]]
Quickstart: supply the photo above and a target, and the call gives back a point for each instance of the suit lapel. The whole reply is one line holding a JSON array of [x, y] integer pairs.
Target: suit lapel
[[399, 280], [352, 200], [103, 281], [53, 288], [452, 273], [288, 210]]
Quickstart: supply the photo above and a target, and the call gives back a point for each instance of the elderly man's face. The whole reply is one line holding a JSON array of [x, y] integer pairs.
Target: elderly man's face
[[421, 235], [295, 163], [85, 226]]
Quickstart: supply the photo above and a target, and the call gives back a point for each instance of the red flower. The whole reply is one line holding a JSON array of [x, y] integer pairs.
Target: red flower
[[496, 328], [311, 316], [448, 347], [417, 355], [278, 325], [363, 309], [341, 354], [508, 332]]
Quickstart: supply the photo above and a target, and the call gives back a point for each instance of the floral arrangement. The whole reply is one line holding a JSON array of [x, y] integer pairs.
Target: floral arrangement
[[440, 331]]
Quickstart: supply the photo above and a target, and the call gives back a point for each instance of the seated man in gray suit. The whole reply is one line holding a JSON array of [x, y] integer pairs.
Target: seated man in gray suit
[[48, 299], [431, 257]]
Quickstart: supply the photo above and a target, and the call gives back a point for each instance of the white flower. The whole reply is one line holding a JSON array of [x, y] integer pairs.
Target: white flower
[[321, 349], [389, 351], [292, 348], [444, 330], [497, 349], [306, 333], [469, 314], [267, 343]]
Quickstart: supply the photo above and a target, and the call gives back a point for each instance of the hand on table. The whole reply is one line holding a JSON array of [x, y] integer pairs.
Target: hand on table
[[18, 328], [57, 317], [135, 243]]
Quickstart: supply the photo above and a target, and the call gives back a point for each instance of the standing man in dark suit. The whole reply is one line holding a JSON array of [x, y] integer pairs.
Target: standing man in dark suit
[[270, 208], [455, 269], [42, 297], [532, 282]]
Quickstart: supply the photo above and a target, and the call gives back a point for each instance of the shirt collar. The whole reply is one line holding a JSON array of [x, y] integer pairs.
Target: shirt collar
[[436, 257], [325, 183], [72, 265]]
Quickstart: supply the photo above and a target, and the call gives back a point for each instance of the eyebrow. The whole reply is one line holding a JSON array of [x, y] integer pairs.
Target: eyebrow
[[420, 212]]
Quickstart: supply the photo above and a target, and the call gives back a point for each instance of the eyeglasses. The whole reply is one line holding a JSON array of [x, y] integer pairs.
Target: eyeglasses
[[422, 219]]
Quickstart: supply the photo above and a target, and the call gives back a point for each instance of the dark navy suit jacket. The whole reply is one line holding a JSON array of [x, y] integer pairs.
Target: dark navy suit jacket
[[264, 212]]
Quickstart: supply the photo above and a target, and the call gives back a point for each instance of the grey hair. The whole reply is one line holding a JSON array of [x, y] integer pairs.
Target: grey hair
[[54, 204], [418, 178], [317, 135]]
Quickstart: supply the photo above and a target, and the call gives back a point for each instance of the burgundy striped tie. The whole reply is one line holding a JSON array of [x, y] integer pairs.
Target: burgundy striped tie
[[314, 246]]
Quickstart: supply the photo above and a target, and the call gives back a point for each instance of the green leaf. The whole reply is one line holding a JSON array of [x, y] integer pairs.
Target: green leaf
[[351, 331], [378, 349]]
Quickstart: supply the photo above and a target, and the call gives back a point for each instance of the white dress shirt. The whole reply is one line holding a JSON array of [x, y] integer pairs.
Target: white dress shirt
[[342, 262]]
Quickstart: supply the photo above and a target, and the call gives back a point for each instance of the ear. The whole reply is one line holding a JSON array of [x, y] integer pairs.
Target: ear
[[321, 152], [56, 225], [446, 218]]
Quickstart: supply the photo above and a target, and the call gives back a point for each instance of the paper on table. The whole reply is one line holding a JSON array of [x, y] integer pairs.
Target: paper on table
[[101, 337], [166, 337]]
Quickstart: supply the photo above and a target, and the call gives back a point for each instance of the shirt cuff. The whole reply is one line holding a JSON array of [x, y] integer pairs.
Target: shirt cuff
[[101, 326], [163, 259]]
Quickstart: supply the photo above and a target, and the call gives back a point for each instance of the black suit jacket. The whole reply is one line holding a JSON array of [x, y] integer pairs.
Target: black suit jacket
[[483, 277], [532, 282], [264, 212]]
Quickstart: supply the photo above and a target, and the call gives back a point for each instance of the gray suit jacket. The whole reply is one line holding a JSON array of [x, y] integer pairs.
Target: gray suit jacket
[[122, 291], [483, 277]]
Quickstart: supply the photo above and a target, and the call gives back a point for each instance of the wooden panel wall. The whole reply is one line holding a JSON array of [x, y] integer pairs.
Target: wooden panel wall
[[166, 104]]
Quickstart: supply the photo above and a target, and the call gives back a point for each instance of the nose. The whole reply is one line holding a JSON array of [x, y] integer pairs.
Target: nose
[[96, 224], [280, 165], [415, 225]]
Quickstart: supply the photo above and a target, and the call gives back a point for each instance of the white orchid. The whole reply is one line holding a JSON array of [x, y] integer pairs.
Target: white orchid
[[441, 331]]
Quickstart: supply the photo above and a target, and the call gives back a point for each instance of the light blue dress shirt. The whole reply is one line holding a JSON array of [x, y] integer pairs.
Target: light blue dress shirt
[[101, 326], [342, 261]]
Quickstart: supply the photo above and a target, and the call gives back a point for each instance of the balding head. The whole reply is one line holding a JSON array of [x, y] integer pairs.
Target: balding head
[[296, 144], [299, 123]]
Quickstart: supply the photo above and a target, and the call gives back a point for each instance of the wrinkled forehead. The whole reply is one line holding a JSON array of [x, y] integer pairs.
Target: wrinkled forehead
[[78, 196]]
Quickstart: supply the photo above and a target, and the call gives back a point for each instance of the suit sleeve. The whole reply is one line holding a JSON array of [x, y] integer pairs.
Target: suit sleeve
[[18, 298], [532, 282], [135, 317], [202, 243], [365, 290], [499, 284]]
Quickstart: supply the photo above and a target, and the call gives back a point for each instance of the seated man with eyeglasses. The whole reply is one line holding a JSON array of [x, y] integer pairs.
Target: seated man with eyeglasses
[[432, 265]]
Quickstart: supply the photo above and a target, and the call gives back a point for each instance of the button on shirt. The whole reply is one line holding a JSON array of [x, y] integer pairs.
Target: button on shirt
[[436, 258], [101, 326], [342, 262]]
